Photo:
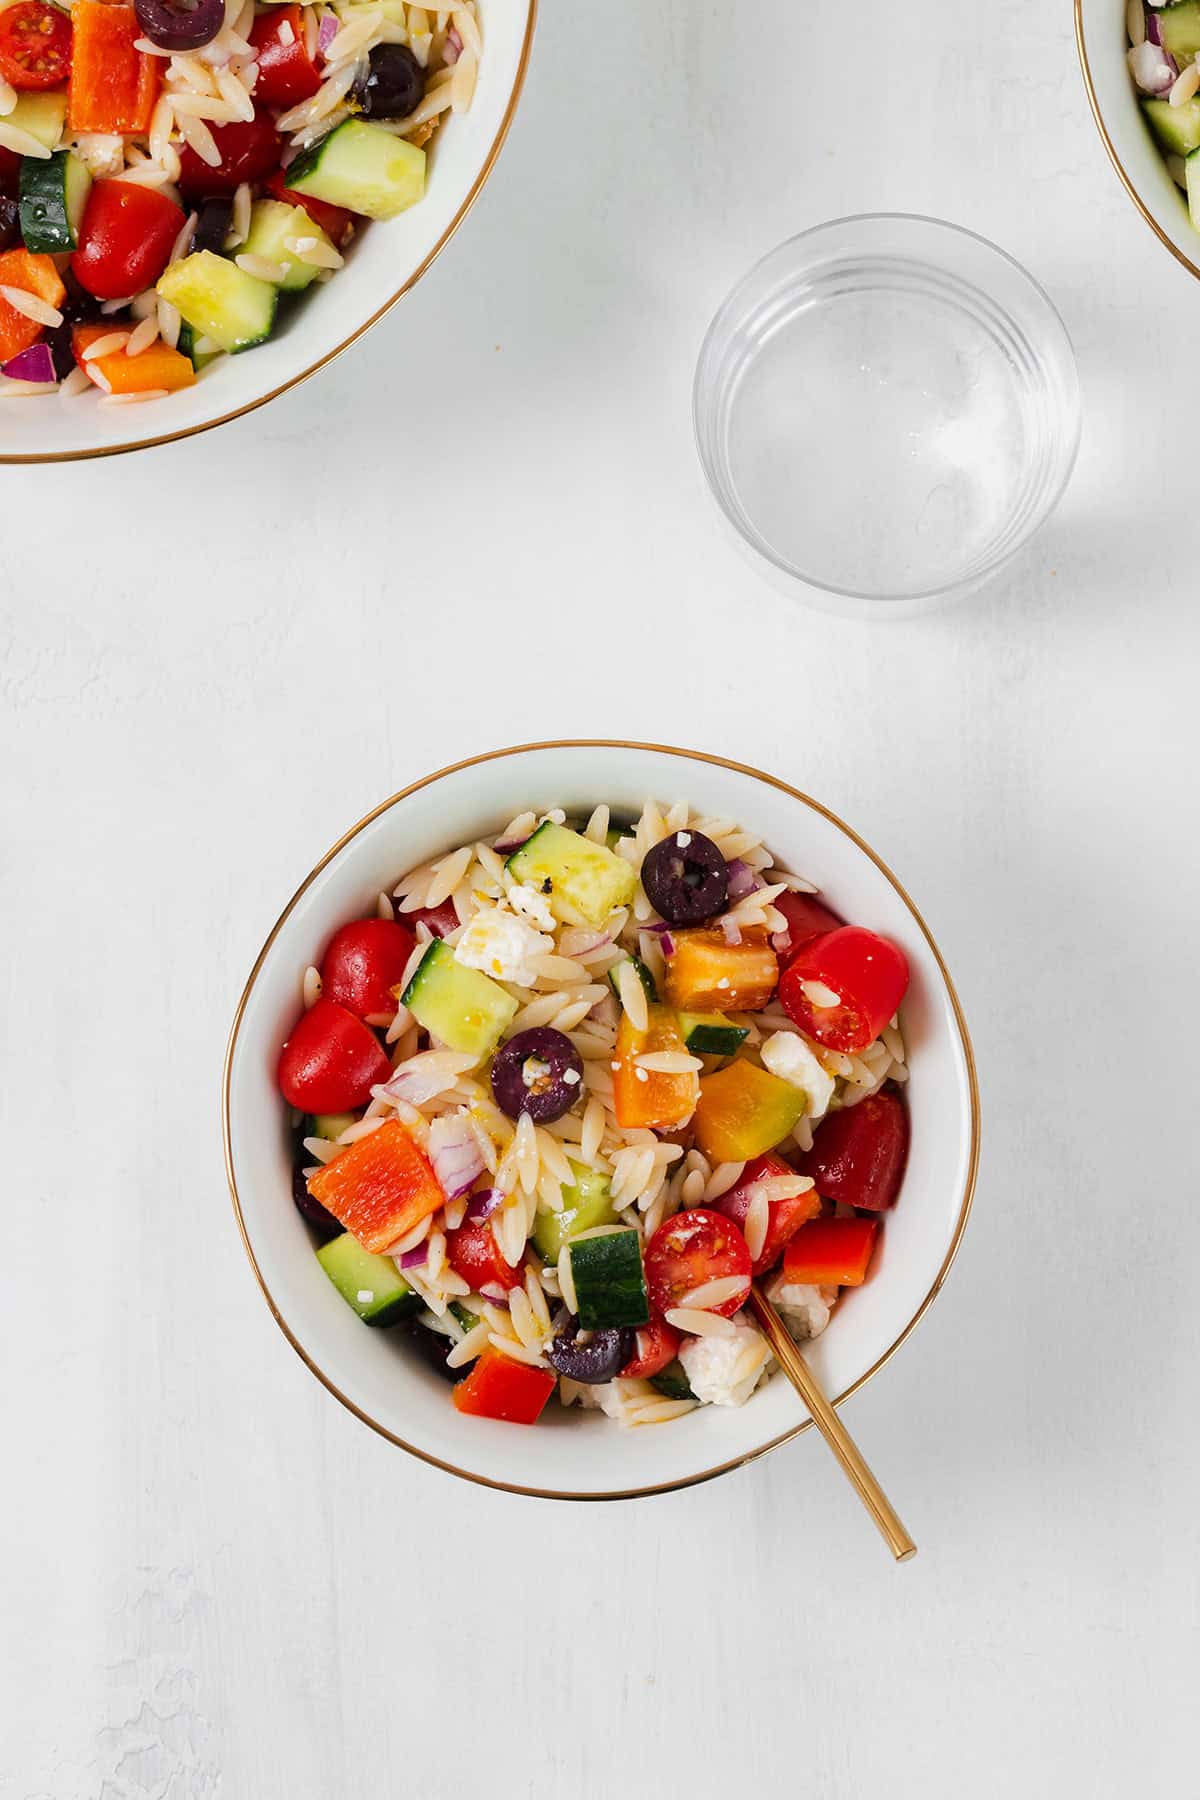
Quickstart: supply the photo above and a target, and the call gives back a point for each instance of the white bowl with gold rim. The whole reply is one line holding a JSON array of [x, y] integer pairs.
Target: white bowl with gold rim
[[569, 1454], [382, 264], [1103, 43]]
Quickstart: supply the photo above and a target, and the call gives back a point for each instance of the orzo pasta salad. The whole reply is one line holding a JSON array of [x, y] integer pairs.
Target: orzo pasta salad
[[173, 173], [572, 1087]]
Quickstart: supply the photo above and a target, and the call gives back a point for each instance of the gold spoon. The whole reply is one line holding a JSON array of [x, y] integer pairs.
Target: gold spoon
[[831, 1428]]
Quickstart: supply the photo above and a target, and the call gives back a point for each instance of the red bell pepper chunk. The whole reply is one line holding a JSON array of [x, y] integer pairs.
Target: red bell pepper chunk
[[830, 1253], [380, 1187], [865, 974], [499, 1387], [113, 88], [286, 73], [858, 1154], [784, 1217], [35, 275], [806, 918]]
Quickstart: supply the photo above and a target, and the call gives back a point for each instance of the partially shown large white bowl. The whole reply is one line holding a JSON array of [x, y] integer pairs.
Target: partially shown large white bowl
[[383, 262], [1103, 43], [569, 1454]]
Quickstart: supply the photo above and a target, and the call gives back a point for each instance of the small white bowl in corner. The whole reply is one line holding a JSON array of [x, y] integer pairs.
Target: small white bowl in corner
[[569, 1454], [381, 265], [1103, 43]]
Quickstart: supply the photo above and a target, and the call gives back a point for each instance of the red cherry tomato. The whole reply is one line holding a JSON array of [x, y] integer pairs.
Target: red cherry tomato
[[475, 1255], [441, 920], [10, 167], [784, 1217], [364, 964], [337, 224], [806, 918], [125, 239], [858, 1154], [331, 1061], [249, 149], [35, 46], [286, 73], [657, 1345], [693, 1248], [868, 974]]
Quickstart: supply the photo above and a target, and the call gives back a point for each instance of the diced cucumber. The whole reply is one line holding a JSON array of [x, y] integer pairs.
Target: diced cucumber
[[673, 1382], [587, 1203], [53, 196], [582, 881], [362, 167], [1180, 29], [372, 1285], [1176, 128], [1192, 167], [330, 1125], [711, 1034], [466, 1318], [41, 115], [189, 339], [219, 300], [610, 1286], [643, 974], [465, 1009], [272, 223]]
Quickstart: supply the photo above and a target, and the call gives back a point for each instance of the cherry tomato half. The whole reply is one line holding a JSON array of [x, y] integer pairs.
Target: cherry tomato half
[[657, 1345], [331, 1061], [125, 239], [286, 73], [691, 1249], [35, 46], [475, 1255], [858, 1154], [867, 974], [249, 149], [806, 918], [784, 1217], [337, 224], [364, 964]]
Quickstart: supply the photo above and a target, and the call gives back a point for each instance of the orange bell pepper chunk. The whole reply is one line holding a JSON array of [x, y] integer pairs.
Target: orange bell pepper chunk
[[380, 1187], [500, 1387], [648, 1098], [35, 275], [156, 367], [745, 1111], [830, 1253], [112, 88], [704, 973]]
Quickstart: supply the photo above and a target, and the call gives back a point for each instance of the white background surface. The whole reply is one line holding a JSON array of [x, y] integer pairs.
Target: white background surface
[[218, 655]]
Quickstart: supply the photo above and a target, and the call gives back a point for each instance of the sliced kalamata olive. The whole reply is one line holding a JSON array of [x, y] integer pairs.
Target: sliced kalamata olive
[[393, 84], [77, 306], [180, 24], [10, 220], [60, 343], [433, 1348], [686, 878], [321, 1221], [598, 1357], [538, 1072], [213, 220]]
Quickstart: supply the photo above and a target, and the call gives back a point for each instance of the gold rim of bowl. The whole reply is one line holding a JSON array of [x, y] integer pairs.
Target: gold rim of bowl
[[240, 412]]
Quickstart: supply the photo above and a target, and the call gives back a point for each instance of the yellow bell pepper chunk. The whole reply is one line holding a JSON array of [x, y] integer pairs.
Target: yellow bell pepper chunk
[[745, 1111]]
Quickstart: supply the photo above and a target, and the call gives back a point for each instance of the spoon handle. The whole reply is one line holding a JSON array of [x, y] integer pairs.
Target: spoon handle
[[831, 1428]]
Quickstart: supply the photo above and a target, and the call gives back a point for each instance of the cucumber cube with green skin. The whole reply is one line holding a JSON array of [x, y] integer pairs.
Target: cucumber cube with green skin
[[643, 974], [330, 1125], [41, 115], [582, 881], [610, 1284], [219, 300], [1192, 167], [53, 194], [711, 1034], [362, 167], [274, 227], [199, 359], [587, 1203], [1176, 128], [465, 1009], [673, 1382], [372, 1285], [1179, 26]]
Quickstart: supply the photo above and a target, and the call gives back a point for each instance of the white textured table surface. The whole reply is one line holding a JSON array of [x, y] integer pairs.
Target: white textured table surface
[[216, 656]]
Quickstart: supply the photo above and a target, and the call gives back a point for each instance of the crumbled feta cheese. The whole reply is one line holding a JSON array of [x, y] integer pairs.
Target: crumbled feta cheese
[[502, 946], [531, 905], [789, 1057], [724, 1371], [805, 1309]]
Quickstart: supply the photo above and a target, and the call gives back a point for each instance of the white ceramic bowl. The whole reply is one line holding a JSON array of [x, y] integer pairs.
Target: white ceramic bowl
[[382, 264], [573, 1455], [1102, 40]]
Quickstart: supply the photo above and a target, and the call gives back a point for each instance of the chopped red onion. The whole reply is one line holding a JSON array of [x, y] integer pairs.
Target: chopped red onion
[[453, 49], [1153, 69], [330, 26], [492, 1291], [483, 1204], [455, 1154], [412, 1259], [731, 930], [742, 879], [668, 943], [34, 364], [508, 845], [1153, 26], [414, 1082]]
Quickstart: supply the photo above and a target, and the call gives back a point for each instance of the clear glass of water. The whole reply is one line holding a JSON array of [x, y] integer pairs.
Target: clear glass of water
[[887, 408]]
